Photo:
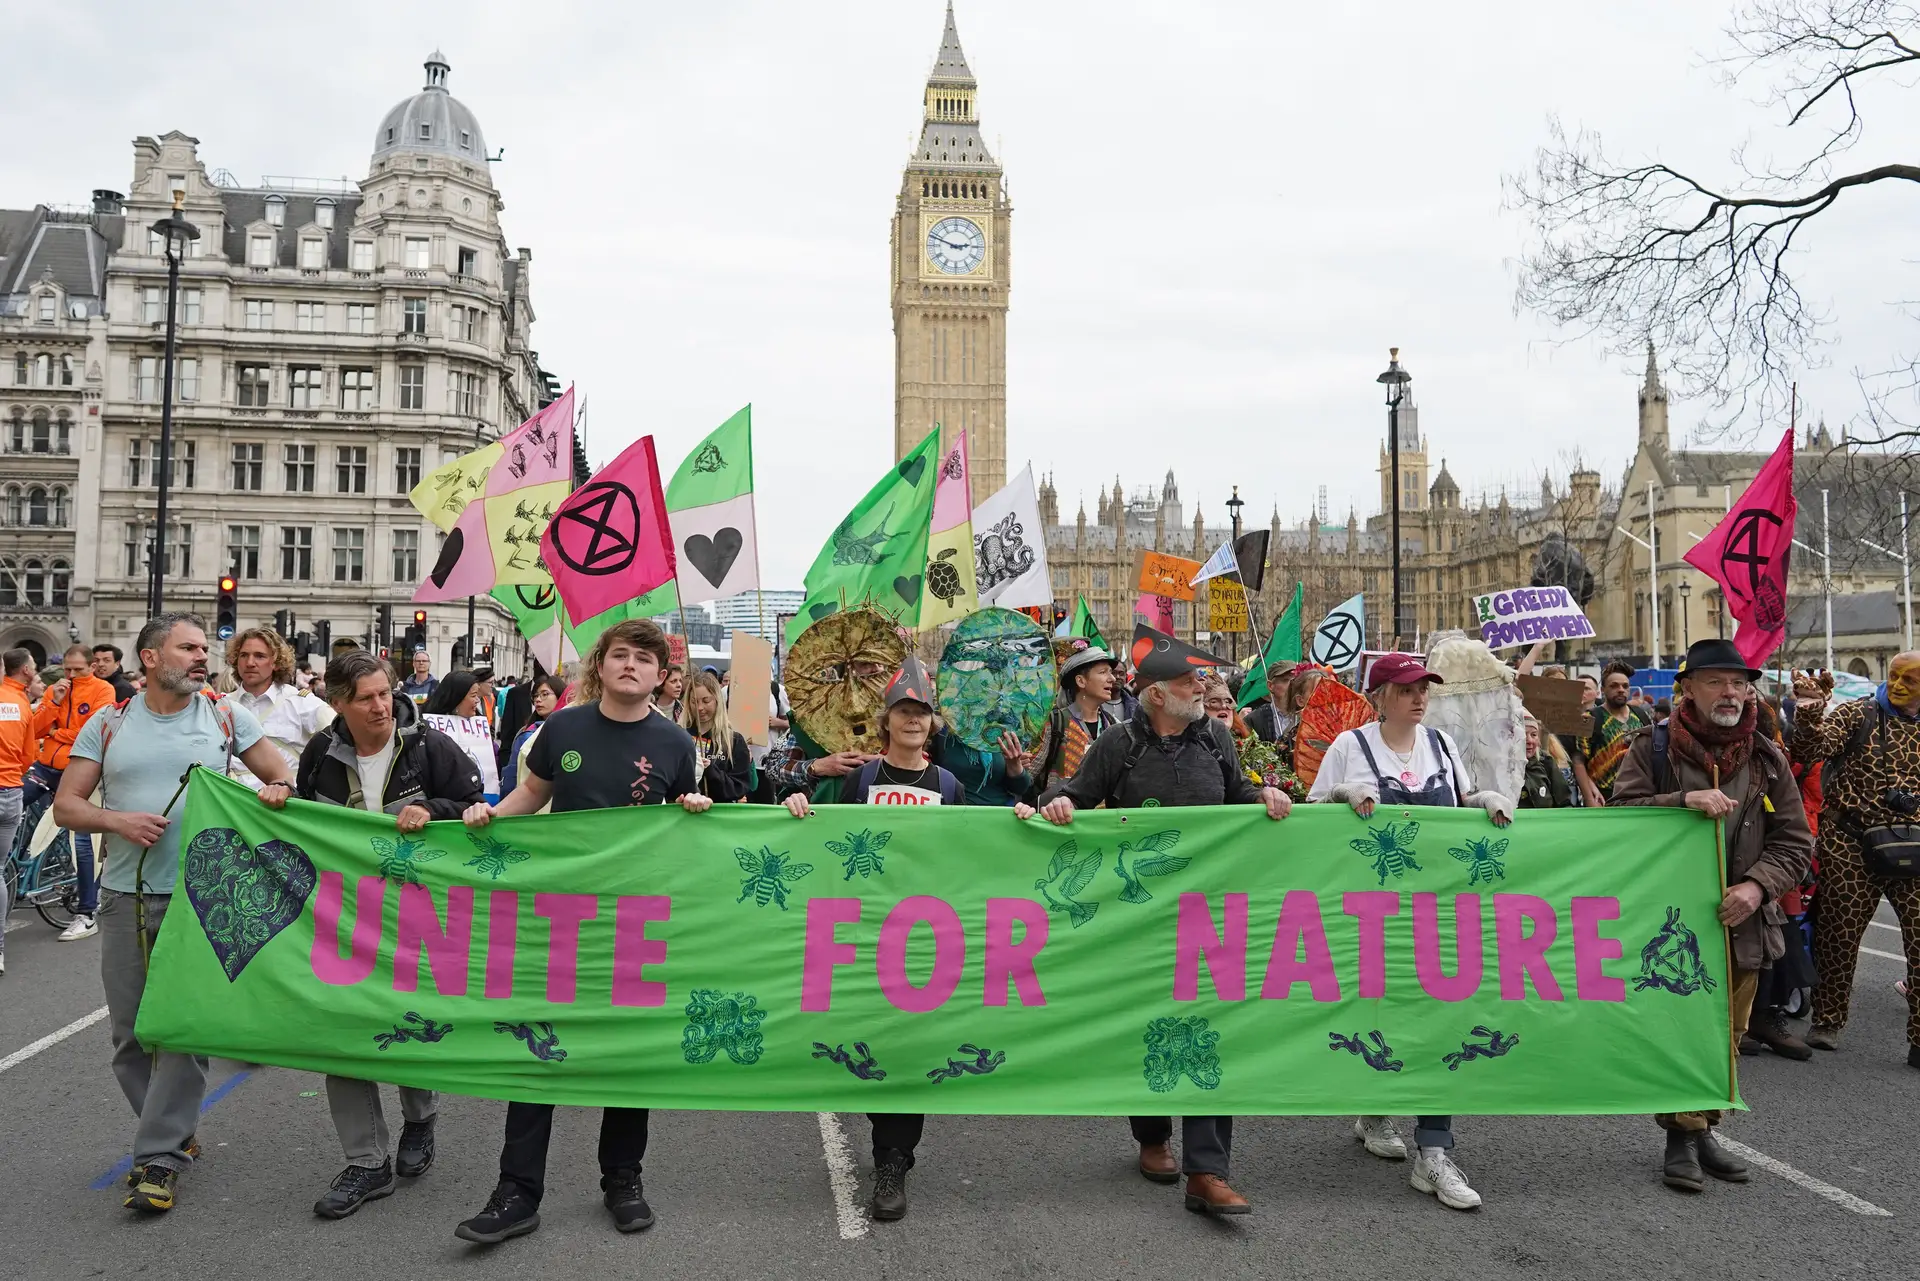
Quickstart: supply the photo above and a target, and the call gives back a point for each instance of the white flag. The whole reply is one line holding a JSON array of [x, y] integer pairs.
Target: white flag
[[1010, 547], [1221, 562], [1341, 636]]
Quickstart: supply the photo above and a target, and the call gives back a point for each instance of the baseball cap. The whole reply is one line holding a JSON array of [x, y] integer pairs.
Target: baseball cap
[[1398, 669]]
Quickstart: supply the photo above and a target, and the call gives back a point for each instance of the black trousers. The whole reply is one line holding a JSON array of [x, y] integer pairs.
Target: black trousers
[[897, 1132], [1206, 1142], [523, 1157]]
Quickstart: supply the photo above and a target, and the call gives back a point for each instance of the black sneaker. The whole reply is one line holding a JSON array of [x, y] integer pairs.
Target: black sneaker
[[415, 1157], [153, 1187], [623, 1197], [506, 1214], [889, 1187], [353, 1187]]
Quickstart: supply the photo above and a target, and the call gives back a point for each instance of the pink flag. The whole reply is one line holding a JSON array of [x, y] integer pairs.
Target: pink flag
[[1156, 610], [610, 541], [952, 504], [1747, 555], [538, 451]]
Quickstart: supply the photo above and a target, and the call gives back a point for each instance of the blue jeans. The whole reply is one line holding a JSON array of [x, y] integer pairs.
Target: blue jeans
[[44, 780], [1433, 1131]]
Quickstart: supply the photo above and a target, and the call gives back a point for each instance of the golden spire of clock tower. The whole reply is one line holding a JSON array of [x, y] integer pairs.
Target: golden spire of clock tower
[[951, 266]]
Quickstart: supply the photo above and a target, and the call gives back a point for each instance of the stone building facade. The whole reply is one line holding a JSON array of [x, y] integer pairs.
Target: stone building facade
[[337, 340], [951, 266]]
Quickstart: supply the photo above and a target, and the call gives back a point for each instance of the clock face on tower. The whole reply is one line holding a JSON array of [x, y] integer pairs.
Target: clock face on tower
[[956, 245]]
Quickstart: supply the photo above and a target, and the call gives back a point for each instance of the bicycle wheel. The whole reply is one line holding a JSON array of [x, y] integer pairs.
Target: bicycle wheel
[[10, 872], [56, 892]]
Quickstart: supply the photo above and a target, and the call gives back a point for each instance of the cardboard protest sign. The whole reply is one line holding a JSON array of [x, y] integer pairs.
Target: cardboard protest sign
[[1226, 606], [1529, 614], [926, 958], [750, 687], [1554, 702]]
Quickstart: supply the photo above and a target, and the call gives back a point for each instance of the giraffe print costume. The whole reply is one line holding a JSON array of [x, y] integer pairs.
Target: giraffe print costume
[[1848, 894]]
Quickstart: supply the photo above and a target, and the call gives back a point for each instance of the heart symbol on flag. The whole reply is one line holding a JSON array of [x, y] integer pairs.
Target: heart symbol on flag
[[244, 896], [907, 587], [821, 610], [449, 557], [912, 469], [713, 557]]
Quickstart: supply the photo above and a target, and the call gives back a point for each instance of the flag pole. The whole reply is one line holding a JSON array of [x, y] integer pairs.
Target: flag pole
[[1253, 626]]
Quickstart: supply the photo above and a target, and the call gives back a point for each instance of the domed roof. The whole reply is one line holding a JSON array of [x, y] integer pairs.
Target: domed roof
[[433, 120]]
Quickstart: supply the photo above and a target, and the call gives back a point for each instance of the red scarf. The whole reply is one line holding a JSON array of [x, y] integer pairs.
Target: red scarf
[[1722, 747]]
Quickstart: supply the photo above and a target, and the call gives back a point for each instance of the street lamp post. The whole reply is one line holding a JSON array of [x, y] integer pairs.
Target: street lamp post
[[1395, 379], [176, 231], [1686, 622], [1234, 505]]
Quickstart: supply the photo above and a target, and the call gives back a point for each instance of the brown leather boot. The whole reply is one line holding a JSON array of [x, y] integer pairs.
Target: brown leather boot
[[1209, 1194], [1157, 1163]]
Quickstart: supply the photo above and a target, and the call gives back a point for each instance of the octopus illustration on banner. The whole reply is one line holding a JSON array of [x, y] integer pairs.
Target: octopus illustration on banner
[[997, 675]]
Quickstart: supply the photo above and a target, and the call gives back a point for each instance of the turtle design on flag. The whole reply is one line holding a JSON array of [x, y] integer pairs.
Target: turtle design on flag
[[943, 578]]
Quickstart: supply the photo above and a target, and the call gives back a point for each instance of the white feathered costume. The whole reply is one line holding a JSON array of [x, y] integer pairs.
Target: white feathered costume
[[1479, 707]]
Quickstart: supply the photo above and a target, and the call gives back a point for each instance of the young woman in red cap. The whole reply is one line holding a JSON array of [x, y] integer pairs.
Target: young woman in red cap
[[1397, 761]]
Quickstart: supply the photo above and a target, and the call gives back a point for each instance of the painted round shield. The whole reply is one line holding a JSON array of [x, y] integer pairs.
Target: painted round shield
[[997, 674], [836, 676]]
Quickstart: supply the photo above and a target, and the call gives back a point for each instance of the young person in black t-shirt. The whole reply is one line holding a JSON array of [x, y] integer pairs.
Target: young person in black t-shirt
[[902, 775], [613, 749]]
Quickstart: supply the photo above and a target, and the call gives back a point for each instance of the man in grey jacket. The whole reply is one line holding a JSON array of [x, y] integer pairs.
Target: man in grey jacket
[[1170, 753], [1708, 758]]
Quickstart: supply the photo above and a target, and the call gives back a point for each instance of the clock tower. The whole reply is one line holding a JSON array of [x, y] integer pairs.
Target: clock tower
[[951, 266]]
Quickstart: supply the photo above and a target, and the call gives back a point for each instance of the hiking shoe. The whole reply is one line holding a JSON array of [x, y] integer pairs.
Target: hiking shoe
[[1157, 1163], [152, 1188], [1772, 1030], [506, 1214], [623, 1197], [889, 1187], [1823, 1038], [1682, 1169], [353, 1187], [191, 1150], [1750, 1045], [82, 928], [1381, 1137], [1434, 1172], [415, 1156], [1209, 1194], [1719, 1162]]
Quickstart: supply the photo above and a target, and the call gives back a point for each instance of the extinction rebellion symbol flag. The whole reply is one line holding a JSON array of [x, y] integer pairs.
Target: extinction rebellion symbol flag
[[1747, 555]]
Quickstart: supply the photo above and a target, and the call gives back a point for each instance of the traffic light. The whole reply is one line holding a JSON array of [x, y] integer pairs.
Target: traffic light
[[323, 639], [486, 654], [459, 658], [283, 622], [382, 626], [417, 634], [226, 610]]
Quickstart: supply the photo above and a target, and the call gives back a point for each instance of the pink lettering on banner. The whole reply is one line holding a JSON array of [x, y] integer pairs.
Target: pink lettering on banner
[[1370, 910], [823, 951], [1468, 961], [369, 898], [1300, 930], [1523, 956], [1195, 938], [949, 953], [1591, 949], [446, 949], [564, 912], [633, 951], [1008, 961], [503, 923]]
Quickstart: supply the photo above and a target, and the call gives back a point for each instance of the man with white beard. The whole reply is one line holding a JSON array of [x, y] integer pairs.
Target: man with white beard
[[1708, 757], [1170, 753]]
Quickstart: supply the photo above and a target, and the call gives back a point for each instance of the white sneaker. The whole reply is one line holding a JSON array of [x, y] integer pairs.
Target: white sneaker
[[1435, 1172], [82, 928], [1381, 1137]]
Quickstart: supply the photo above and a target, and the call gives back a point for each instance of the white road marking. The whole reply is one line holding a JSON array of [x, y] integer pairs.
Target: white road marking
[[839, 1157], [1891, 956], [1839, 1196], [1882, 925], [80, 1024]]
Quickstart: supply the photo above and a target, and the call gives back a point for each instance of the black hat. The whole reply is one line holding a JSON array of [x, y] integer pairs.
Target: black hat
[[911, 684], [1715, 654], [1160, 657]]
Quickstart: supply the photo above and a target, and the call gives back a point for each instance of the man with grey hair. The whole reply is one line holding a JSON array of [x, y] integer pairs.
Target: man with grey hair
[[1170, 753], [1709, 758], [139, 753]]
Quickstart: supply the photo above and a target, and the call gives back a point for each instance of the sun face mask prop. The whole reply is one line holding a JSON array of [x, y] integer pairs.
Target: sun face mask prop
[[836, 676]]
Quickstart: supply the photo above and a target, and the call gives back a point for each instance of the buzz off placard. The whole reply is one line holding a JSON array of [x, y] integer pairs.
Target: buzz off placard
[[1526, 615]]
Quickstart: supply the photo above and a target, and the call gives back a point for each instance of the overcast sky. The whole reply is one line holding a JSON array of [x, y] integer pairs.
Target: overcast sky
[[1224, 213]]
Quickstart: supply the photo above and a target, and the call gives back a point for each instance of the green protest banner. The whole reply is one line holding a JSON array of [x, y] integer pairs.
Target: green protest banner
[[954, 960]]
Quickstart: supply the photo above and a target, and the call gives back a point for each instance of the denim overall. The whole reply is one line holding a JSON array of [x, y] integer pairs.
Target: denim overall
[[1428, 1131]]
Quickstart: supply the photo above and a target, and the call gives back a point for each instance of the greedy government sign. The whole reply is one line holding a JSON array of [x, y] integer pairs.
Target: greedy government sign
[[941, 959], [1526, 615]]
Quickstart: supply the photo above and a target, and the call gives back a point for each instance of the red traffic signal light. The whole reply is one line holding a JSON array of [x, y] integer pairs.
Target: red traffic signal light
[[226, 609], [419, 618], [227, 584]]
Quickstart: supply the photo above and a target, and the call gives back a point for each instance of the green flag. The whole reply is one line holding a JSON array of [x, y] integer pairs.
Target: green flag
[[644, 956], [1083, 625], [878, 553], [1283, 644]]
